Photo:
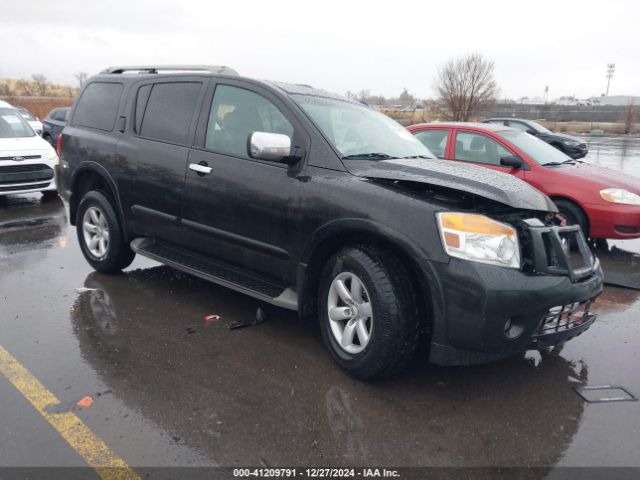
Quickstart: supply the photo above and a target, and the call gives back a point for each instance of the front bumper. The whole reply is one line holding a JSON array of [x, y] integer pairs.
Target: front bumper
[[613, 220], [482, 312], [37, 175]]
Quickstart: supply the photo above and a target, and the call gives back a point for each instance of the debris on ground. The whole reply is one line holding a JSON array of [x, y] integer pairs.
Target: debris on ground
[[190, 330], [85, 289], [604, 393], [85, 402], [208, 319], [261, 317]]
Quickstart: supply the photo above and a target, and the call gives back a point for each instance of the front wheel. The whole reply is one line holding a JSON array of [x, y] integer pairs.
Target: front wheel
[[573, 214], [100, 235], [368, 312]]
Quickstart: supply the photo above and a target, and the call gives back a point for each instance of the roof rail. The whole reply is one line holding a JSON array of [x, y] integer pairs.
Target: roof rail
[[215, 69]]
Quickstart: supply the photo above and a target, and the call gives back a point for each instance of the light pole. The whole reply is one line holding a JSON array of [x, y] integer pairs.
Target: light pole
[[611, 67]]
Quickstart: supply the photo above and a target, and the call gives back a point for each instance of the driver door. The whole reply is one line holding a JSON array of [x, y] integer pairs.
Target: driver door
[[478, 148], [235, 208]]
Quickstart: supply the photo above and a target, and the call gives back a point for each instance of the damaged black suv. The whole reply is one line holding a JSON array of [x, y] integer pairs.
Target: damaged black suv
[[316, 203]]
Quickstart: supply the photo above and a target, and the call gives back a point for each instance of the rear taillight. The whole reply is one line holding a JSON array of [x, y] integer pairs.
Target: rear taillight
[[59, 144]]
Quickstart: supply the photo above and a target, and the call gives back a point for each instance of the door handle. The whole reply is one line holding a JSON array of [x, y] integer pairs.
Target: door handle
[[200, 168]]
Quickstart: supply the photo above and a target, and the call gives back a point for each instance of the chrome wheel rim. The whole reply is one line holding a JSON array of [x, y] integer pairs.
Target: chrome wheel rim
[[96, 232], [350, 313]]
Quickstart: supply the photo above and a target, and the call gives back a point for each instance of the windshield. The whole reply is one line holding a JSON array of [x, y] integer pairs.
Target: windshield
[[538, 150], [12, 125], [26, 114], [539, 127], [360, 133]]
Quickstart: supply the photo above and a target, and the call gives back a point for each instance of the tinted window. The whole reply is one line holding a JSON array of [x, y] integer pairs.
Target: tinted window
[[475, 147], [169, 111], [434, 140], [235, 114], [98, 106], [141, 103]]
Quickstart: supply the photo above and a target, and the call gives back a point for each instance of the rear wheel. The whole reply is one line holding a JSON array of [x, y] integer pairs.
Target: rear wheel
[[100, 235], [368, 313]]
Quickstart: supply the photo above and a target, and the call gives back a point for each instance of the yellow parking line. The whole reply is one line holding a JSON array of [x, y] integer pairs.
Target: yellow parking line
[[94, 451]]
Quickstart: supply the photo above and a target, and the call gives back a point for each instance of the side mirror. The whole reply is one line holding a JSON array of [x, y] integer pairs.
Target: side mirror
[[532, 132], [511, 161], [274, 147]]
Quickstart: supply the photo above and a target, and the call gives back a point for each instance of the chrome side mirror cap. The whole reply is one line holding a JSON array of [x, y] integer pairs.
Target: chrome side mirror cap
[[274, 147]]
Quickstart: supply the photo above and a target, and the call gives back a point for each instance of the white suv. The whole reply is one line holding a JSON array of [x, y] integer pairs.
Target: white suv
[[27, 162]]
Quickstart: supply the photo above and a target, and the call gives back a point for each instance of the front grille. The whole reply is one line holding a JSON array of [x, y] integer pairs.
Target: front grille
[[17, 188], [16, 174], [34, 167], [564, 317], [25, 157]]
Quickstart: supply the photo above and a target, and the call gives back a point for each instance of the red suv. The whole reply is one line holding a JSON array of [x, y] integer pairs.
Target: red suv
[[604, 202]]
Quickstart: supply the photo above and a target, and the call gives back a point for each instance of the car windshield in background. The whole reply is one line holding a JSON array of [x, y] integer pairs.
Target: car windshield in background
[[12, 125], [360, 133], [540, 128], [538, 150], [26, 114]]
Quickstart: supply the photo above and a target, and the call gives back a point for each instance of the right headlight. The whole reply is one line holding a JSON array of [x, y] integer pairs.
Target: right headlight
[[479, 239]]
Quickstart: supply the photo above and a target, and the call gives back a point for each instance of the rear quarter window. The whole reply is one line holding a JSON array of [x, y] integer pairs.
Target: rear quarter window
[[98, 106], [168, 112]]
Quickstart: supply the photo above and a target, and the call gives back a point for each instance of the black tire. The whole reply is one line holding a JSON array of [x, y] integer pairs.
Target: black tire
[[574, 215], [118, 255], [394, 324]]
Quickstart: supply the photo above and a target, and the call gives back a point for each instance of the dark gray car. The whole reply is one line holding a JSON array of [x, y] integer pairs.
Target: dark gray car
[[53, 124]]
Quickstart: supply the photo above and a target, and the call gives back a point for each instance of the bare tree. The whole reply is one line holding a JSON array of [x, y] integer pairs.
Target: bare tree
[[629, 116], [81, 77], [5, 89], [41, 84], [466, 84], [25, 87]]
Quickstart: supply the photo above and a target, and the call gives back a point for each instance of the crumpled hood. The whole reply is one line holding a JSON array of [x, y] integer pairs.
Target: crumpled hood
[[487, 183]]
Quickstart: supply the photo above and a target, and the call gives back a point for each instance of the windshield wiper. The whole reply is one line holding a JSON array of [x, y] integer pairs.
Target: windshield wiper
[[418, 156], [366, 156], [552, 164]]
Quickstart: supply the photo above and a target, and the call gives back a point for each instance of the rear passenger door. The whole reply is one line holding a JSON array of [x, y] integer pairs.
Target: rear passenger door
[[238, 211], [161, 125]]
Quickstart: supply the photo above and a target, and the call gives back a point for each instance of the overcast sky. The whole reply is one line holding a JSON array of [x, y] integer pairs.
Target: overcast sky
[[338, 45]]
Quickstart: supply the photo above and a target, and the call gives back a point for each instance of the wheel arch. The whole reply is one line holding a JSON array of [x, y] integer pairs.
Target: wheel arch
[[336, 235], [92, 176], [578, 206]]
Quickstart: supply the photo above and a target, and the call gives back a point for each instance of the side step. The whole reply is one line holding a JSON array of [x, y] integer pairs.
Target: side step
[[215, 272]]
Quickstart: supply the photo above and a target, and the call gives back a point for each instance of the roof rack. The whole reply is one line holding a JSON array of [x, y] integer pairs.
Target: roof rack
[[215, 69]]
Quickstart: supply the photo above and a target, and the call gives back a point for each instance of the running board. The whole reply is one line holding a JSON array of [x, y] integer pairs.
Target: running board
[[216, 273]]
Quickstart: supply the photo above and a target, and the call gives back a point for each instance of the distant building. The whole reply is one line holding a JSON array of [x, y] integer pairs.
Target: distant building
[[619, 100]]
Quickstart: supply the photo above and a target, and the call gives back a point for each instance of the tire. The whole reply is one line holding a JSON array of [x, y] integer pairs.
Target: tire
[[393, 324], [574, 215], [117, 253]]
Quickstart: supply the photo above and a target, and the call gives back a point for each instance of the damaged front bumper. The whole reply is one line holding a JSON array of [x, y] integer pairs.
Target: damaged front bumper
[[482, 313]]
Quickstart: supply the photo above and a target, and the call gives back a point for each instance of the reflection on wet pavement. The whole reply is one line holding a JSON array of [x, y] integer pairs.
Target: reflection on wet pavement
[[185, 391], [620, 152]]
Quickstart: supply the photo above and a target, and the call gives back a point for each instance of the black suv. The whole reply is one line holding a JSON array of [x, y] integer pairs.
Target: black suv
[[316, 203], [567, 144]]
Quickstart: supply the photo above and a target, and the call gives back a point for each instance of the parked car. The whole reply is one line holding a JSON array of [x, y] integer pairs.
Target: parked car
[[604, 202], [32, 120], [315, 203], [572, 146], [27, 162], [53, 124]]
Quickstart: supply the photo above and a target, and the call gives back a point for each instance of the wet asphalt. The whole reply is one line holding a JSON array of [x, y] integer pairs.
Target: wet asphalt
[[171, 389]]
